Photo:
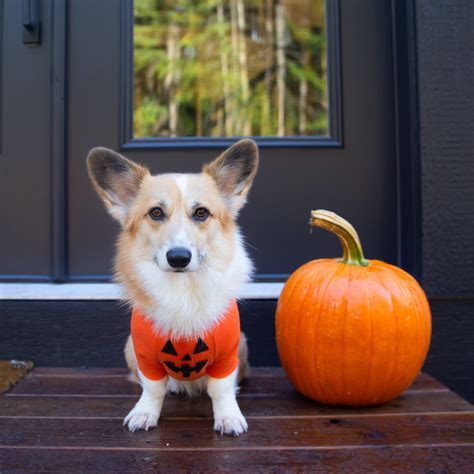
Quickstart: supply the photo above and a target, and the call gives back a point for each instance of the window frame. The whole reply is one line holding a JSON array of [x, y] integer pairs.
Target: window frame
[[334, 139]]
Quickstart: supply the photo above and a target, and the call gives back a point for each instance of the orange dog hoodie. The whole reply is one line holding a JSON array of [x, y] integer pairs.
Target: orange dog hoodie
[[214, 353]]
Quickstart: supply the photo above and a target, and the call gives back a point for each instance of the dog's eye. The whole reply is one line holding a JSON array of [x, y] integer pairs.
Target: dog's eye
[[201, 214], [156, 214]]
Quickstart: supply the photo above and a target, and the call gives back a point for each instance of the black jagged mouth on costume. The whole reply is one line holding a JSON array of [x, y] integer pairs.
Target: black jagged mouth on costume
[[185, 369]]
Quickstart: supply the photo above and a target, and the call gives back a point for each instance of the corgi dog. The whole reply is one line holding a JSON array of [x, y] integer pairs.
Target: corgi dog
[[181, 262]]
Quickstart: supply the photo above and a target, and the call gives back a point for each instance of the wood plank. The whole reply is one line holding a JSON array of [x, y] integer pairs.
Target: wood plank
[[46, 385], [422, 382], [271, 433], [123, 371], [81, 371], [459, 459], [262, 382], [293, 405]]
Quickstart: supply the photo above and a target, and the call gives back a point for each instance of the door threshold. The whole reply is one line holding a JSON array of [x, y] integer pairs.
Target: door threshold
[[108, 291]]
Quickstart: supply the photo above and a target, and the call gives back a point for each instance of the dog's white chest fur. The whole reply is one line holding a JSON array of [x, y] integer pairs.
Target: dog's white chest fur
[[189, 304]]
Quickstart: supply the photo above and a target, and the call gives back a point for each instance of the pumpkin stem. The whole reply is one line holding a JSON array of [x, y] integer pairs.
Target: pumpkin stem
[[353, 254]]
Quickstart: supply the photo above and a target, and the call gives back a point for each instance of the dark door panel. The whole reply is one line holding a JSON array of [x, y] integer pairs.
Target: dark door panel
[[25, 238]]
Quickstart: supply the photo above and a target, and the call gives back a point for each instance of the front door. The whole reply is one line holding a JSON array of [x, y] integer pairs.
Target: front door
[[170, 84]]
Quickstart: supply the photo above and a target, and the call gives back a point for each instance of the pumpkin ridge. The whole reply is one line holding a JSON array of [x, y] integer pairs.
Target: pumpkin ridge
[[343, 331], [401, 330], [393, 313], [413, 314], [290, 365], [314, 371], [371, 339], [329, 280], [417, 309], [301, 377], [425, 321], [304, 301], [314, 343], [401, 324]]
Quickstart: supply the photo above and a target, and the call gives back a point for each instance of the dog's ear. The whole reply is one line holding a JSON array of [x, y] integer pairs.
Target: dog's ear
[[116, 180], [234, 172]]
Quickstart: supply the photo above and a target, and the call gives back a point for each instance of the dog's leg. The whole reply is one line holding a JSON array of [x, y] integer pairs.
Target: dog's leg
[[228, 418], [244, 366], [131, 359], [146, 412]]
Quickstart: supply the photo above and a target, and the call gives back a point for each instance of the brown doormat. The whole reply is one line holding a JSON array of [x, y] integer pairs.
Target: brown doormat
[[12, 371]]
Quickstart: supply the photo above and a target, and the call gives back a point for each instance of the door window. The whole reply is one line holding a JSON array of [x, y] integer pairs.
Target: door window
[[205, 69]]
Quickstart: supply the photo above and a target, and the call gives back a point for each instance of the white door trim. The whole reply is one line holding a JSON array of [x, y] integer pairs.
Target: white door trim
[[107, 291]]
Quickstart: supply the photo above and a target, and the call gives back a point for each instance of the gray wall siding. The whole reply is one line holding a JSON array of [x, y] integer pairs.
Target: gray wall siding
[[445, 36], [446, 100]]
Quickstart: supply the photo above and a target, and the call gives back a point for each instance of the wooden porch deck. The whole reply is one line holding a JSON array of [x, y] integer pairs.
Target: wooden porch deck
[[71, 420]]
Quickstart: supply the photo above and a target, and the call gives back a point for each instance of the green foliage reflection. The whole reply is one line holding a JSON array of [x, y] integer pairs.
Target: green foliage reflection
[[214, 68]]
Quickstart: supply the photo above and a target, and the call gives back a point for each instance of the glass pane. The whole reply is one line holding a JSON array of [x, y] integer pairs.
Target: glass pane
[[222, 68]]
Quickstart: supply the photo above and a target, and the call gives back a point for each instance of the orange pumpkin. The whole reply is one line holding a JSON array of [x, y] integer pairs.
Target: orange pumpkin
[[351, 331]]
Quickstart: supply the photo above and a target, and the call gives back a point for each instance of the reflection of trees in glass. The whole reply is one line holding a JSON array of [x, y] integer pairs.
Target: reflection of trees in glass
[[229, 68]]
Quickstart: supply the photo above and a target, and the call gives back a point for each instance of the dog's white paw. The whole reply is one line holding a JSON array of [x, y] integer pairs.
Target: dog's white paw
[[231, 425], [141, 420]]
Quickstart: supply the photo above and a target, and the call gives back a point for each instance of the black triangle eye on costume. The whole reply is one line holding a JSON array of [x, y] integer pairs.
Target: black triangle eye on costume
[[169, 349], [201, 346]]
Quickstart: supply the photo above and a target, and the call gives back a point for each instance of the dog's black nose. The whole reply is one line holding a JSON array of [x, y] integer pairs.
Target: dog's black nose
[[178, 257]]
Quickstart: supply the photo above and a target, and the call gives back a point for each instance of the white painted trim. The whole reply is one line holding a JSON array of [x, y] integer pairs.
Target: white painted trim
[[106, 291]]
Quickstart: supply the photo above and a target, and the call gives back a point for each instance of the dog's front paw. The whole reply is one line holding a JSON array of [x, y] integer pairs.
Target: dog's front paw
[[233, 425], [139, 419]]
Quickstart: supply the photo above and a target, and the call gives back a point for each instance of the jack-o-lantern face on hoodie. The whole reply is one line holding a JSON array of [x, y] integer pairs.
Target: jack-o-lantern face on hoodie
[[186, 364]]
